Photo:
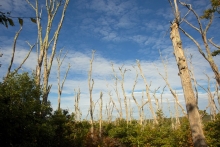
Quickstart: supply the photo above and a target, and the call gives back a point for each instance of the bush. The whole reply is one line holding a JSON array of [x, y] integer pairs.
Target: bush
[[21, 111], [212, 132]]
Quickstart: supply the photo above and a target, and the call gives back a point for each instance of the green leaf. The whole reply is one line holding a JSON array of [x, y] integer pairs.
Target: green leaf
[[6, 23], [33, 20], [11, 22], [20, 21], [1, 20], [216, 52]]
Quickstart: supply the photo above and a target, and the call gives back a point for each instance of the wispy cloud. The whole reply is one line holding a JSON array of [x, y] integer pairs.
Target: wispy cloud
[[120, 31]]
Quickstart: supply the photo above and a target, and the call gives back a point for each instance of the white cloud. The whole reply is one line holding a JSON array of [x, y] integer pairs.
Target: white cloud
[[115, 21]]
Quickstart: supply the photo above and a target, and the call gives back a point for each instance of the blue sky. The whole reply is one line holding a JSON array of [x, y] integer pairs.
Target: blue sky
[[120, 31]]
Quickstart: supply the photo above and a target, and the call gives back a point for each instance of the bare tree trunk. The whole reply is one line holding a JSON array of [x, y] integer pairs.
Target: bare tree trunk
[[191, 107], [140, 107], [171, 115], [77, 109], [123, 90], [130, 110], [211, 100], [114, 105], [60, 87], [90, 94], [100, 115], [52, 7], [177, 124], [147, 93], [117, 93]]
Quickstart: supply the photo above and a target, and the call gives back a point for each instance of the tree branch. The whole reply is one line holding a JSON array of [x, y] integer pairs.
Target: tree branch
[[13, 50], [209, 24], [197, 16], [197, 44], [31, 4], [31, 47], [194, 27], [215, 45]]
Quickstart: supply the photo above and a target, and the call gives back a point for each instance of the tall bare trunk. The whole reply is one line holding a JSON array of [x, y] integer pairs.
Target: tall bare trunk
[[90, 94], [147, 93], [100, 115], [77, 109], [45, 42], [123, 90], [191, 107], [60, 86], [117, 93]]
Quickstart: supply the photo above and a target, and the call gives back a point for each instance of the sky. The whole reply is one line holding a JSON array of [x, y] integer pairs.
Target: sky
[[121, 32]]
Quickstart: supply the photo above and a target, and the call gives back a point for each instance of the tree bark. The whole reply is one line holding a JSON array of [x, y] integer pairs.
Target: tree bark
[[45, 41], [191, 107]]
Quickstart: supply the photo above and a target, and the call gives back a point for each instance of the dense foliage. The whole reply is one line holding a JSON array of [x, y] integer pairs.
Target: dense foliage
[[26, 122]]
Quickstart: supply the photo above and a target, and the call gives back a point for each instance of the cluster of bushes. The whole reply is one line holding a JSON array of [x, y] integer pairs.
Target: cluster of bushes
[[26, 122]]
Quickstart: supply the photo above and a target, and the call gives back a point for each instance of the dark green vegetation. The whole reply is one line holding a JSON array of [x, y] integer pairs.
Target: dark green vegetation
[[7, 20], [26, 122], [215, 8]]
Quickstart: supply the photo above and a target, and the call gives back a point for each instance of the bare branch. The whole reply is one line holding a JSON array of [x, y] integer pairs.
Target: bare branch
[[30, 4], [116, 91], [60, 88], [31, 47], [171, 4], [194, 27], [196, 15], [165, 78], [13, 50], [197, 44], [184, 16], [215, 45], [147, 92], [123, 91], [209, 24]]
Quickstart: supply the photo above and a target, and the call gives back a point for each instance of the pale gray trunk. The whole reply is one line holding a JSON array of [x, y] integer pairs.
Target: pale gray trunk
[[191, 107]]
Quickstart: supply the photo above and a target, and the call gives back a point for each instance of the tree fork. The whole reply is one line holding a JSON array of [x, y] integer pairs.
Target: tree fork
[[191, 107]]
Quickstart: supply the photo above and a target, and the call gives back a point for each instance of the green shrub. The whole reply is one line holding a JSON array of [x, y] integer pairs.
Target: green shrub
[[212, 132]]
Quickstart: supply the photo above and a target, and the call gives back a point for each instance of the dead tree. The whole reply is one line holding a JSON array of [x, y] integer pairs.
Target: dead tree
[[203, 32], [76, 105], [90, 94], [60, 86], [147, 93], [47, 40], [165, 78], [123, 90], [117, 93], [112, 101], [211, 100], [100, 115], [140, 107], [191, 107]]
